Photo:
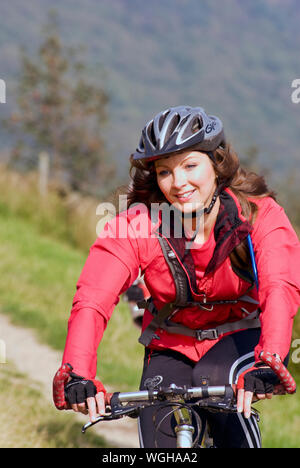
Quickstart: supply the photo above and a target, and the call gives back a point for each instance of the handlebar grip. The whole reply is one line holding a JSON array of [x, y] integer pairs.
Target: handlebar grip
[[280, 370]]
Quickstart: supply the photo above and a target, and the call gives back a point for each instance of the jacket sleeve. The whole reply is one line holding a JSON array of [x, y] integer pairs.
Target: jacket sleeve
[[277, 252], [111, 267]]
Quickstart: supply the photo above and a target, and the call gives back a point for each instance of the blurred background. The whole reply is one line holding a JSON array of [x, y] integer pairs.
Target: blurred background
[[81, 79]]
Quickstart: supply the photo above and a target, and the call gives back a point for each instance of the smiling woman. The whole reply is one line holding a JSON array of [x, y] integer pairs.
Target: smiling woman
[[206, 318], [192, 178]]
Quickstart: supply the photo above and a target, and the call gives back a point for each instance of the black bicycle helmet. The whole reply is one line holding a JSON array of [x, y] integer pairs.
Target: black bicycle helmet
[[177, 129]]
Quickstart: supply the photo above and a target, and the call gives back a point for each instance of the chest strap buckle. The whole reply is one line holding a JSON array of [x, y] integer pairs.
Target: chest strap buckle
[[210, 334]]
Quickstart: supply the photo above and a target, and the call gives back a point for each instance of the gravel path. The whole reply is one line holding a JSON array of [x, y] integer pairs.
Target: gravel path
[[40, 363]]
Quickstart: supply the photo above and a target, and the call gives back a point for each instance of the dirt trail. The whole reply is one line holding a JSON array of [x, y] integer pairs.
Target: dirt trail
[[40, 363]]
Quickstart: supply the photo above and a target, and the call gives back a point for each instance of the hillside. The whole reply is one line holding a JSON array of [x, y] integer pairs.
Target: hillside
[[235, 58]]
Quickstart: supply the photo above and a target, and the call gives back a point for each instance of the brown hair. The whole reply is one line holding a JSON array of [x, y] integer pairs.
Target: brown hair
[[244, 184]]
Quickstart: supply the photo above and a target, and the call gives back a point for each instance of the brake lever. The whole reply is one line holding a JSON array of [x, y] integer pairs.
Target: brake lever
[[116, 414], [92, 423]]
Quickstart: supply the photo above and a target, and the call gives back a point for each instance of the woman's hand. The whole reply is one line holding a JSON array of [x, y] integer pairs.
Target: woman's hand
[[85, 396], [93, 406], [258, 382]]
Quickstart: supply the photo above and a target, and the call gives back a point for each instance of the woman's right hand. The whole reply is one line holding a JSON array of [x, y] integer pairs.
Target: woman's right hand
[[85, 396]]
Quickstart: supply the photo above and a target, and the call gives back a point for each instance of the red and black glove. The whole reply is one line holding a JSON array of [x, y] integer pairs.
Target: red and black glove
[[69, 388], [263, 376], [78, 389], [258, 379]]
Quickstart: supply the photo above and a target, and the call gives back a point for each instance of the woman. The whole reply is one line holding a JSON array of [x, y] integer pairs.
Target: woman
[[194, 216]]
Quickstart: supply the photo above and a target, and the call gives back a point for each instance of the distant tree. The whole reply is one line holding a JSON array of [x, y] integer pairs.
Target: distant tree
[[286, 189], [288, 194], [61, 112], [250, 159]]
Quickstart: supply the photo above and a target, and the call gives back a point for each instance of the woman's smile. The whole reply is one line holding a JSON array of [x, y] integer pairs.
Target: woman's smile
[[186, 196]]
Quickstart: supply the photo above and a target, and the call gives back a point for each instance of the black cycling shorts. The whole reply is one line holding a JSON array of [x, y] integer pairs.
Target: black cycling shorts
[[221, 365]]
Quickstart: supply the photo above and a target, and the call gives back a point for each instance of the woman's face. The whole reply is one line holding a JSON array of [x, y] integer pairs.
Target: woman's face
[[187, 180]]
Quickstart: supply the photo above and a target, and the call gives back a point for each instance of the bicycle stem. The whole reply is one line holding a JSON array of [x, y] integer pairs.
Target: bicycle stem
[[184, 429]]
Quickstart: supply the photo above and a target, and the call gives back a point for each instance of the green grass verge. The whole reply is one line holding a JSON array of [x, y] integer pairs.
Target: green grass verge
[[280, 421], [28, 421], [38, 279]]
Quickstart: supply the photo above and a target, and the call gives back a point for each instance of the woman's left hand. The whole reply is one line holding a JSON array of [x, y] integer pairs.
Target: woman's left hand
[[259, 382]]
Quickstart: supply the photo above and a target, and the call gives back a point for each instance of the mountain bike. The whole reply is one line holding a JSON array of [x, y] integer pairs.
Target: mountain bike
[[183, 403]]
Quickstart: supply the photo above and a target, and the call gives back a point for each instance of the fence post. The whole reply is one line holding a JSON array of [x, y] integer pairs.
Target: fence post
[[2, 92], [43, 173], [2, 352]]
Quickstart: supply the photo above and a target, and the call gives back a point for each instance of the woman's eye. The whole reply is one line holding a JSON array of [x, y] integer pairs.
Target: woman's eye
[[163, 173], [190, 166]]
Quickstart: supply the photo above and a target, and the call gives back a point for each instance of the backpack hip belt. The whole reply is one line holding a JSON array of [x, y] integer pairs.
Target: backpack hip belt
[[161, 321], [252, 321]]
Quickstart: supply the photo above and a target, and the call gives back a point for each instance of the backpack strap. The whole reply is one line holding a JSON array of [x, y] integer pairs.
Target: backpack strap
[[182, 295], [181, 283], [157, 322], [184, 299]]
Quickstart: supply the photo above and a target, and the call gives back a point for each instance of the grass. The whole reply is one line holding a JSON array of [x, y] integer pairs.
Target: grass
[[28, 421], [66, 216], [39, 275], [280, 421]]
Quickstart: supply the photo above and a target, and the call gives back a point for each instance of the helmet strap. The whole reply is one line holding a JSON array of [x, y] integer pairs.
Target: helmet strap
[[199, 213]]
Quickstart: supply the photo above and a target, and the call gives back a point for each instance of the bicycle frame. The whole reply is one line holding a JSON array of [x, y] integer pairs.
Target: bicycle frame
[[184, 428]]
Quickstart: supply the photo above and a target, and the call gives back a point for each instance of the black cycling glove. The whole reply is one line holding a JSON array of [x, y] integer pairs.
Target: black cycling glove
[[259, 379], [79, 389]]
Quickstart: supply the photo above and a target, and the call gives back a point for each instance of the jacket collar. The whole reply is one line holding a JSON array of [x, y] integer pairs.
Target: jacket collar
[[230, 230]]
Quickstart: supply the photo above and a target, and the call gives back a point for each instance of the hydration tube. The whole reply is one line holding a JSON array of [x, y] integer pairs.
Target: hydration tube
[[253, 262]]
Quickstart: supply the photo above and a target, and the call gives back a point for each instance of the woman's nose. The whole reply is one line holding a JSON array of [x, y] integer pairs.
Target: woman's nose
[[179, 179]]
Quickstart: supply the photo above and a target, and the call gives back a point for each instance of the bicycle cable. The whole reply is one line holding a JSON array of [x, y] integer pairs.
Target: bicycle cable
[[175, 407]]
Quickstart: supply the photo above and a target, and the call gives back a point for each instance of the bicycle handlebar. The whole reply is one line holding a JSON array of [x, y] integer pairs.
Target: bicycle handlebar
[[171, 394], [286, 380], [186, 393]]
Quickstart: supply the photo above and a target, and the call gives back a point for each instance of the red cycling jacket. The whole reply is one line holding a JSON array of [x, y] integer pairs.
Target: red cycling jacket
[[129, 245]]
